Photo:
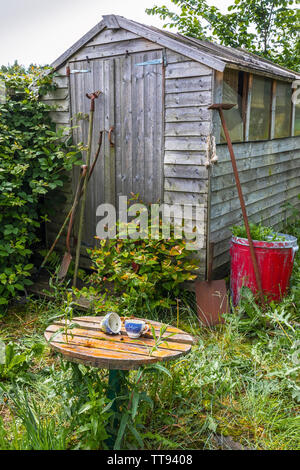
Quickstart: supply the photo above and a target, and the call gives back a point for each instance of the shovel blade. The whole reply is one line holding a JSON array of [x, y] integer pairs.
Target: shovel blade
[[212, 301], [64, 268]]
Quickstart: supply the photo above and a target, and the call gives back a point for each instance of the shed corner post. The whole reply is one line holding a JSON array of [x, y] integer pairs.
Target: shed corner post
[[217, 97], [293, 111]]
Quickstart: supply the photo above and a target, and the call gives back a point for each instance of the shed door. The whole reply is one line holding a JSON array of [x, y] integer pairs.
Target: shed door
[[131, 103]]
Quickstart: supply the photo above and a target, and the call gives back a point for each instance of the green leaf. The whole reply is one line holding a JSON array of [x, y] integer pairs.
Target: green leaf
[[121, 431], [136, 434], [135, 404], [160, 368], [87, 406]]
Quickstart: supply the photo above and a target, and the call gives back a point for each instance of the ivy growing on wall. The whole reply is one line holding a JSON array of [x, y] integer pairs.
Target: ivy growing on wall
[[34, 158]]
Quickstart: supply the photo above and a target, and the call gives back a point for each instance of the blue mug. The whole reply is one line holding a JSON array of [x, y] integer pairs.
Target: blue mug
[[111, 324], [135, 328]]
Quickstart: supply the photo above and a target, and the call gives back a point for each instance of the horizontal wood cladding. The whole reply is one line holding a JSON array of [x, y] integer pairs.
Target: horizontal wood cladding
[[115, 49], [188, 84], [185, 171], [174, 197], [270, 177], [185, 144], [109, 36], [174, 57], [186, 185], [60, 94], [188, 123], [181, 129], [186, 69], [192, 113], [177, 157], [196, 98]]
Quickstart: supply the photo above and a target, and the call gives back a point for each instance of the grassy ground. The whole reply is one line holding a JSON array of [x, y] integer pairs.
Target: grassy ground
[[238, 387]]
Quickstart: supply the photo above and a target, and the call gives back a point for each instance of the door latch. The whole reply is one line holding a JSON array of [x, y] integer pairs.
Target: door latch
[[111, 130]]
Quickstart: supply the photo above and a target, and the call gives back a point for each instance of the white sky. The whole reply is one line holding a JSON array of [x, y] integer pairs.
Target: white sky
[[39, 31]]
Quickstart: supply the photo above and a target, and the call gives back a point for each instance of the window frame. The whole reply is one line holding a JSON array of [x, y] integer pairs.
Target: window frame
[[246, 106]]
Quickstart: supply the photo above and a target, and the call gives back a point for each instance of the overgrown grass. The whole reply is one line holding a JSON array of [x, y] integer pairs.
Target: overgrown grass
[[240, 380]]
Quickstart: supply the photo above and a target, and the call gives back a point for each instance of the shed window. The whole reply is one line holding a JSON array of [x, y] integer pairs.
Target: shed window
[[283, 110], [263, 107], [260, 110], [233, 92]]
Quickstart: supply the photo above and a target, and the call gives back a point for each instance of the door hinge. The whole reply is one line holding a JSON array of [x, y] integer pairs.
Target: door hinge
[[152, 62], [80, 71]]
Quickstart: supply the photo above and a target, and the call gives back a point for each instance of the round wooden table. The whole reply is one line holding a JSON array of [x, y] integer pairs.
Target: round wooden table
[[87, 344]]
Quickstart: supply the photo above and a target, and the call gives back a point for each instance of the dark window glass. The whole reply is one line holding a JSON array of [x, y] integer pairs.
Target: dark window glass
[[283, 110], [233, 88], [260, 109]]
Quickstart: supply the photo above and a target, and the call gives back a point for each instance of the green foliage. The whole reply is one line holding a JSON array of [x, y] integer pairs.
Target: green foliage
[[85, 405], [40, 434], [131, 428], [240, 381], [146, 273], [15, 360], [269, 28], [258, 232], [33, 160]]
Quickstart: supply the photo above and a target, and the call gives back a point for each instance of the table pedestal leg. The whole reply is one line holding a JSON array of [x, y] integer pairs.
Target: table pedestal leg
[[116, 387]]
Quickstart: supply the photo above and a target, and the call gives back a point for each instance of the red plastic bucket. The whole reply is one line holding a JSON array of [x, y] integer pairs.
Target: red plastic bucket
[[275, 262]]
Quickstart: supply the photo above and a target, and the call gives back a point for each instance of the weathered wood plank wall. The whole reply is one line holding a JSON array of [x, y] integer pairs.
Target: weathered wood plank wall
[[138, 124], [138, 135], [188, 123], [160, 150], [269, 173]]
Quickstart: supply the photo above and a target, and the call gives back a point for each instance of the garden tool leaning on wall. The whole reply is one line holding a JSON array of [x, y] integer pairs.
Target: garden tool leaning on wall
[[220, 107], [72, 212], [67, 256], [92, 97]]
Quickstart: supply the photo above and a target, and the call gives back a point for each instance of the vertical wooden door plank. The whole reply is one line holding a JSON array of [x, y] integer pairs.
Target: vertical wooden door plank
[[126, 126], [109, 156], [138, 129]]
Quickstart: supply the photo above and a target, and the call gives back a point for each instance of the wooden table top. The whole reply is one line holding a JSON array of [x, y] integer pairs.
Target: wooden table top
[[89, 345]]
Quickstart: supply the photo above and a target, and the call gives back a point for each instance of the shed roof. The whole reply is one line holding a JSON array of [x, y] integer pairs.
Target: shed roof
[[211, 54]]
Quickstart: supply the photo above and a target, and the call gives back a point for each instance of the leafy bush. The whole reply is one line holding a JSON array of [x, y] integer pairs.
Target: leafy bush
[[258, 232], [145, 273], [13, 360], [33, 160]]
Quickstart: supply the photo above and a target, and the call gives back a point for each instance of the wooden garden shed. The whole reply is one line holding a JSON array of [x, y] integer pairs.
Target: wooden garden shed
[[156, 88]]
